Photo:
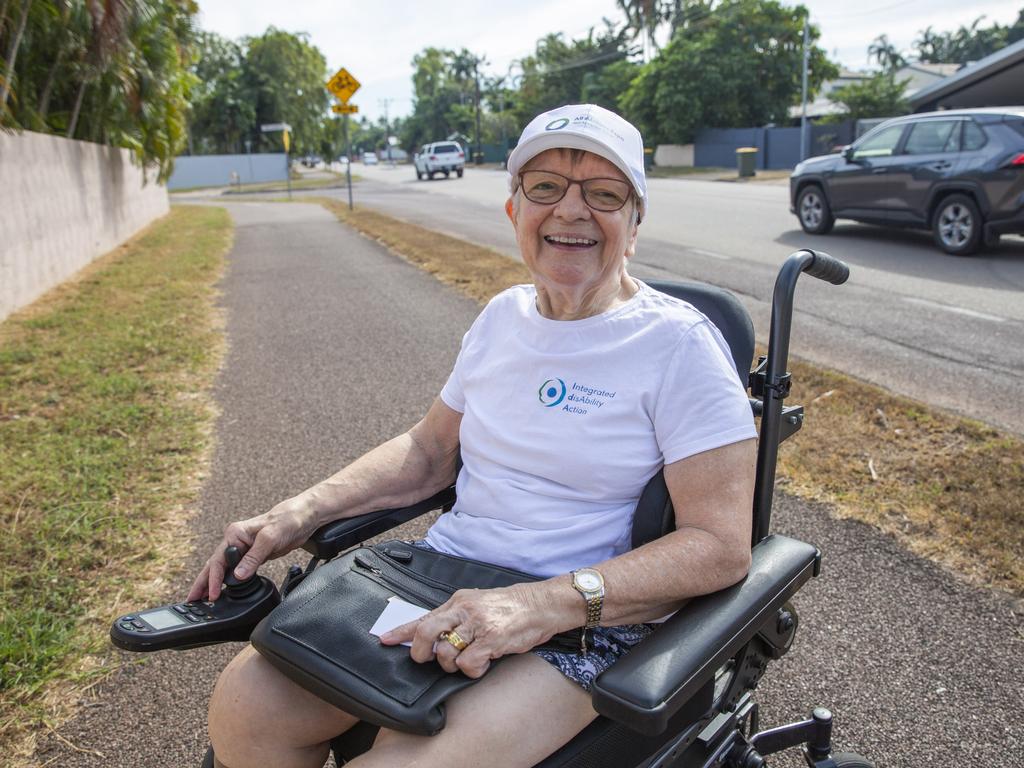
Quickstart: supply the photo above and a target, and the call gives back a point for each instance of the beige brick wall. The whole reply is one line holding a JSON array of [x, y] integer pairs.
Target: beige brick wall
[[62, 204]]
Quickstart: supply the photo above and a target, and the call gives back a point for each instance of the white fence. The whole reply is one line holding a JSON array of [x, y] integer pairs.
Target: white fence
[[62, 204]]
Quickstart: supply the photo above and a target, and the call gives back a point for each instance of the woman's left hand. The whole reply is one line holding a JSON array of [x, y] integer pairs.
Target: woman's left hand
[[491, 622]]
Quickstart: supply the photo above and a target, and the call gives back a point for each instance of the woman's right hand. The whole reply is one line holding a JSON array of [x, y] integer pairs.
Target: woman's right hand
[[264, 537]]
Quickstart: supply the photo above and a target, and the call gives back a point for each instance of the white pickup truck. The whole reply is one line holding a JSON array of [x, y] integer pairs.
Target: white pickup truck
[[439, 157]]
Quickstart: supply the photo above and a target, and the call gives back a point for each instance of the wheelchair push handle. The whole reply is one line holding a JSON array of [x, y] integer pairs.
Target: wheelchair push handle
[[825, 267], [776, 376]]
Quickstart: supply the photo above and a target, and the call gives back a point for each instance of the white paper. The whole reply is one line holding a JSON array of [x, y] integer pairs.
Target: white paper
[[397, 613]]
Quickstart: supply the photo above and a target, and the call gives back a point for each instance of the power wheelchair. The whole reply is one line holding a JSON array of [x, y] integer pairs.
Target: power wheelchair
[[684, 697]]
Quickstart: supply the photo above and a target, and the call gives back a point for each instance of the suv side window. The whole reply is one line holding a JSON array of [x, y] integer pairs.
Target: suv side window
[[881, 144], [932, 137], [974, 137]]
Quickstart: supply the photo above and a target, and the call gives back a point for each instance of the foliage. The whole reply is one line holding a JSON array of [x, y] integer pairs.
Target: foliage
[[740, 65], [444, 96], [285, 77], [107, 71], [879, 96], [968, 43], [886, 54], [578, 71]]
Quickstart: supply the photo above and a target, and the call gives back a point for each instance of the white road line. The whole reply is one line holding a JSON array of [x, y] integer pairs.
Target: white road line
[[712, 254], [956, 310]]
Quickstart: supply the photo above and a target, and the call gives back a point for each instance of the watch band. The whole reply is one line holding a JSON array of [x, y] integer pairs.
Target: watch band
[[593, 594]]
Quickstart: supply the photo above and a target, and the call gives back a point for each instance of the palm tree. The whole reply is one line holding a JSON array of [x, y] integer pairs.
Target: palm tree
[[886, 54], [12, 51]]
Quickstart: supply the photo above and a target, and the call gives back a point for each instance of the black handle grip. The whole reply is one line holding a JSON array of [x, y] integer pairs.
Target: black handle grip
[[825, 267]]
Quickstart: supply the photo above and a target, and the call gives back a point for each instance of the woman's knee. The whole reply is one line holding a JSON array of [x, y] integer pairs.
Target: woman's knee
[[256, 708]]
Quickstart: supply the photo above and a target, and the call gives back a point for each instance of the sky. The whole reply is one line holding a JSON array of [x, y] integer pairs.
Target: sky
[[376, 42]]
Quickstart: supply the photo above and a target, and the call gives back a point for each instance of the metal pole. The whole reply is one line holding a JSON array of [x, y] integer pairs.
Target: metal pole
[[348, 165], [803, 118], [479, 150]]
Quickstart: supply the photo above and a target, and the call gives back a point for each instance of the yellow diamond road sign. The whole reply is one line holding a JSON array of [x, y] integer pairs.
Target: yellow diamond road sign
[[343, 85], [345, 109]]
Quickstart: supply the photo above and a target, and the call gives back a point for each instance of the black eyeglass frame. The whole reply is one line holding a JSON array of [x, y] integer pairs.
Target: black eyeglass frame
[[583, 190]]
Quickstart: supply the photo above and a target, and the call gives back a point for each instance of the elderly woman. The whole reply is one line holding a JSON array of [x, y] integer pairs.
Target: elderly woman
[[568, 395]]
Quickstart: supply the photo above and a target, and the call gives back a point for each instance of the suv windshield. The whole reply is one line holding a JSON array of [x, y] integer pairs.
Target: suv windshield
[[445, 148]]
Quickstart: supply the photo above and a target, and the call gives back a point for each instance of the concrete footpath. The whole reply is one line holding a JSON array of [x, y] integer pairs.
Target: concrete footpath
[[336, 345]]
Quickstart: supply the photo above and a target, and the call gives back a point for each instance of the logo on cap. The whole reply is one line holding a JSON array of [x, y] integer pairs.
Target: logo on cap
[[556, 125]]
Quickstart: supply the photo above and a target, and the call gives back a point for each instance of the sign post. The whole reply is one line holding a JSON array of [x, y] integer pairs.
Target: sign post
[[346, 110], [286, 139], [343, 85]]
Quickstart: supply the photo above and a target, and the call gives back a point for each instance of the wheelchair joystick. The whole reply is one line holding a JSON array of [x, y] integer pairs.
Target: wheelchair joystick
[[235, 588]]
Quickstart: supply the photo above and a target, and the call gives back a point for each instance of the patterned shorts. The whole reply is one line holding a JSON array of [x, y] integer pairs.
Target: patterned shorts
[[605, 646]]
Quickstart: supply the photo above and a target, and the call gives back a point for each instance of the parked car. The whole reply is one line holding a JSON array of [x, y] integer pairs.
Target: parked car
[[369, 158], [311, 161], [439, 157], [959, 173]]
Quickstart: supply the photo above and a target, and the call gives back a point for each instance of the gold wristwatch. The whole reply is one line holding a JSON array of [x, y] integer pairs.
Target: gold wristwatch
[[589, 583]]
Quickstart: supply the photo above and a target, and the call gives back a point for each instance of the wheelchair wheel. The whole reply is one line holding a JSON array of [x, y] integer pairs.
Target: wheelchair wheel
[[850, 760]]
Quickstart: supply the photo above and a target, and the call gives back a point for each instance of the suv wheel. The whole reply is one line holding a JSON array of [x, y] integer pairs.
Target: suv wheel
[[458, 172], [419, 175], [813, 211], [957, 225]]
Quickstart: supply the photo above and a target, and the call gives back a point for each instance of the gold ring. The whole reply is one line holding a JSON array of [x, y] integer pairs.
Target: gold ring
[[455, 639]]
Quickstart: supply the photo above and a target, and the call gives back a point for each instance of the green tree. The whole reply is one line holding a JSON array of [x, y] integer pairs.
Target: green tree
[[285, 75], [223, 114], [738, 66], [879, 96], [886, 54], [968, 43], [444, 96], [560, 72], [108, 71]]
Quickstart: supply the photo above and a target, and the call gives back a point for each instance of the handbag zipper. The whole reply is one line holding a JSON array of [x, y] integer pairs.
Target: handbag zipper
[[403, 589]]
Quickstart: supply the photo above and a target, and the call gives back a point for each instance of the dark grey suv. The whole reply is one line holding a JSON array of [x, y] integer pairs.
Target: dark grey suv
[[959, 173]]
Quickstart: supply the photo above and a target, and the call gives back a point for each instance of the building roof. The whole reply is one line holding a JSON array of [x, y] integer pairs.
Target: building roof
[[993, 81]]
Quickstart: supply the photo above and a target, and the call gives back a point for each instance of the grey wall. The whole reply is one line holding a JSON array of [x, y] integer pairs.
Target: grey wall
[[778, 148], [215, 170], [62, 204]]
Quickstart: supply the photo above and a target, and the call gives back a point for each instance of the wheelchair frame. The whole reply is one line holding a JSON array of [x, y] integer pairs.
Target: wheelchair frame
[[684, 697]]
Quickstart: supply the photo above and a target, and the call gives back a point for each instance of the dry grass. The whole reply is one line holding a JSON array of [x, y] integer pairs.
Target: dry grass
[[948, 488]]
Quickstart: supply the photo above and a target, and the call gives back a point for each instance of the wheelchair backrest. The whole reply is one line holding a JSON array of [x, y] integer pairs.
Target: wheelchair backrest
[[654, 516]]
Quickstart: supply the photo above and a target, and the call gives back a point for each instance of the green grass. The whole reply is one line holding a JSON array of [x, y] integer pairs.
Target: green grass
[[103, 426]]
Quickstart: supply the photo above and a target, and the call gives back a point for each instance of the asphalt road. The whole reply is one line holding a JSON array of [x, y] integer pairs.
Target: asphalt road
[[336, 344], [948, 331]]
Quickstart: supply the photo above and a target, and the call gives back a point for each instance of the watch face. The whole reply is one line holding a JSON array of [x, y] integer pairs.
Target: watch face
[[588, 581]]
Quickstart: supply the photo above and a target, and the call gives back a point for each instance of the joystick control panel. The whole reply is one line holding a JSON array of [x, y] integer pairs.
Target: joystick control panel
[[232, 616]]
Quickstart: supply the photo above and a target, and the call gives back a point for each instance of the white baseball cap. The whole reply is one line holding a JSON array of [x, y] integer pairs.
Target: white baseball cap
[[588, 127]]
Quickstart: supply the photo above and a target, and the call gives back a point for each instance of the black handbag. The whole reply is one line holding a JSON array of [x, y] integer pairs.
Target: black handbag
[[319, 635]]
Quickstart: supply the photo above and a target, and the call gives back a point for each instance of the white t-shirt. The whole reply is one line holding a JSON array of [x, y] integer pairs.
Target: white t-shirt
[[565, 421]]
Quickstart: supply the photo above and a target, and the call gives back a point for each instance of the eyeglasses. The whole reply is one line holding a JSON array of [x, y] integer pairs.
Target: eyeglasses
[[547, 188]]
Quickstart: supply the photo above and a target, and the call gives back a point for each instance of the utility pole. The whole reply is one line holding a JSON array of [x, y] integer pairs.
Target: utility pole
[[803, 117], [387, 126], [476, 79]]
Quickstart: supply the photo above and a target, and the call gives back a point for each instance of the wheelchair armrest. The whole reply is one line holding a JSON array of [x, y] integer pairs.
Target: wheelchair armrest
[[330, 539], [654, 680]]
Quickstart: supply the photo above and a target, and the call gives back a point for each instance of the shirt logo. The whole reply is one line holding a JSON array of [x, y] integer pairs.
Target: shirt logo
[[552, 392], [579, 398]]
